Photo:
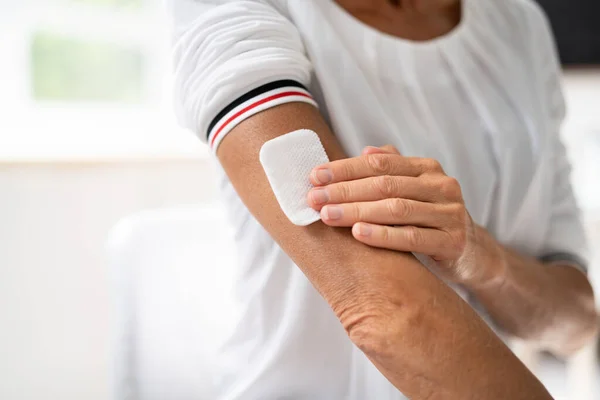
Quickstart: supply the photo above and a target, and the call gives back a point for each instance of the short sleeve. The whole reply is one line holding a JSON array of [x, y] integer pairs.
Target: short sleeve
[[565, 239], [233, 59]]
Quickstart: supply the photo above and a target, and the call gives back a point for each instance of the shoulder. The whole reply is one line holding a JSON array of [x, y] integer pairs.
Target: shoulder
[[537, 32], [182, 10], [522, 25], [184, 15], [527, 16], [528, 9]]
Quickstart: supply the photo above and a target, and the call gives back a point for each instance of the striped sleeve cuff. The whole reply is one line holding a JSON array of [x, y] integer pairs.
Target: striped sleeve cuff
[[260, 99], [565, 258]]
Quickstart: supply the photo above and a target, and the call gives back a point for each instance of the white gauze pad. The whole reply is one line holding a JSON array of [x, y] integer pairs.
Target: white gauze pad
[[288, 161]]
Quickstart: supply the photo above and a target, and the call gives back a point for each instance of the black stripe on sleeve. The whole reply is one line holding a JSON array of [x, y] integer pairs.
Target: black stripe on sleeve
[[253, 93]]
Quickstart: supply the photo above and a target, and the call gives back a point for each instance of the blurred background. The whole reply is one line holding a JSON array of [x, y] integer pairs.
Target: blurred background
[[93, 168]]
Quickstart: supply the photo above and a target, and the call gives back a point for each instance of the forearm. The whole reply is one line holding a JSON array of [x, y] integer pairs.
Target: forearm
[[551, 305], [418, 332]]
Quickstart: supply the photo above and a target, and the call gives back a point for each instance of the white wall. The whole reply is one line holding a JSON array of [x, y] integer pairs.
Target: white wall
[[54, 289]]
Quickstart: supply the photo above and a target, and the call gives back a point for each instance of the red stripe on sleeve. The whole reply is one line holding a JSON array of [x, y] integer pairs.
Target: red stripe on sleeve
[[254, 105]]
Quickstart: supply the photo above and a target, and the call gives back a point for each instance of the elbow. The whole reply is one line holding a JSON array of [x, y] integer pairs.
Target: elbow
[[372, 338], [378, 328]]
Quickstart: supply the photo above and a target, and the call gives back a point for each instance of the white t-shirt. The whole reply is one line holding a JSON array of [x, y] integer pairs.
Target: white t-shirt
[[484, 100]]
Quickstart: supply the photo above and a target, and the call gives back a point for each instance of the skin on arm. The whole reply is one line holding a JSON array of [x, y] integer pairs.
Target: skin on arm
[[423, 337]]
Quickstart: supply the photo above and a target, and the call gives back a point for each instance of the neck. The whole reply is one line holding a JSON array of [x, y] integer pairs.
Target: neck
[[417, 20], [418, 6]]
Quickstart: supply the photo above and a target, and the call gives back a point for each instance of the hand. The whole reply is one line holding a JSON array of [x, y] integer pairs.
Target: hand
[[406, 204]]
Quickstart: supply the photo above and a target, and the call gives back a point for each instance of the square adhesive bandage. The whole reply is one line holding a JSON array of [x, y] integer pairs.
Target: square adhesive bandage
[[288, 161]]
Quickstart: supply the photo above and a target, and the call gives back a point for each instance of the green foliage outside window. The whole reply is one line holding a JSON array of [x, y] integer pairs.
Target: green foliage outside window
[[68, 69]]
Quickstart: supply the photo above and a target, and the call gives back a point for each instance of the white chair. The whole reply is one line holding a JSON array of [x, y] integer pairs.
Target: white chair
[[172, 271]]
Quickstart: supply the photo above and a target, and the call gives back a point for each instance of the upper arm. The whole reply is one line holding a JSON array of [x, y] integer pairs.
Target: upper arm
[[227, 62], [227, 50], [326, 255]]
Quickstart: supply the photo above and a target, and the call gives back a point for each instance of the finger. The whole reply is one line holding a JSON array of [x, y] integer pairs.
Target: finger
[[376, 188], [371, 165], [390, 212], [431, 242]]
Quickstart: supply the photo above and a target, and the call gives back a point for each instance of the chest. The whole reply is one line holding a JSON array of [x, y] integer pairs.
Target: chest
[[469, 99], [459, 115], [472, 126]]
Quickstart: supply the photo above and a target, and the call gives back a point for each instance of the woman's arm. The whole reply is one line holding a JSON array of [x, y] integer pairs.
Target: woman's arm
[[415, 329]]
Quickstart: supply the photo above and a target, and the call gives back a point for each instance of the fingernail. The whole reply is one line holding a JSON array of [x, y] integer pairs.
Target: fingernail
[[332, 212], [323, 176], [319, 196], [363, 230]]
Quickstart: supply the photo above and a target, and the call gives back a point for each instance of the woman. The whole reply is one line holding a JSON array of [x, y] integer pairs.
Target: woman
[[467, 89]]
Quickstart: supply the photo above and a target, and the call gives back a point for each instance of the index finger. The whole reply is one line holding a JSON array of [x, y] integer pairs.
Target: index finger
[[367, 166]]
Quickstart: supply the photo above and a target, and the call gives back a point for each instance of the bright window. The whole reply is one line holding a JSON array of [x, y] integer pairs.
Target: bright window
[[87, 78], [72, 69]]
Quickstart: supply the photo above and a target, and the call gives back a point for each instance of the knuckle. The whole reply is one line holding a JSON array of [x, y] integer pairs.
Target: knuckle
[[450, 188], [399, 209], [356, 213], [346, 171], [379, 163], [432, 165], [386, 185], [459, 241], [458, 213], [340, 192], [384, 235], [414, 237]]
